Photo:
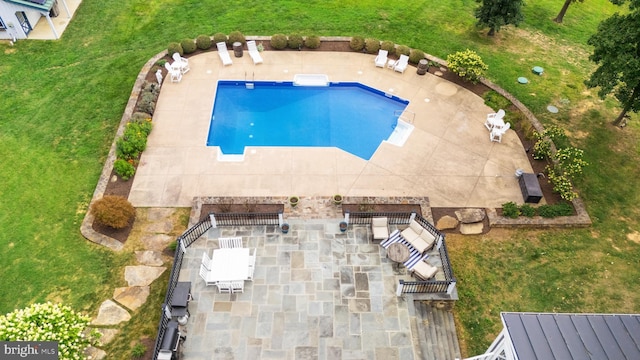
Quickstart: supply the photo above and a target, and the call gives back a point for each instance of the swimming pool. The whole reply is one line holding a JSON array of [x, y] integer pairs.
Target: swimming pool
[[347, 115]]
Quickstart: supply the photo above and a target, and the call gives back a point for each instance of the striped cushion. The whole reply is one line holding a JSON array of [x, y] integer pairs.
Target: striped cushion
[[414, 255]]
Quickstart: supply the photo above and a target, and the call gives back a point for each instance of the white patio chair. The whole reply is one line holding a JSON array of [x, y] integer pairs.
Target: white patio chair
[[236, 242], [237, 286], [203, 274], [380, 228], [402, 63], [496, 134], [224, 53], [250, 273], [224, 286], [180, 63], [423, 271], [174, 74], [493, 118], [206, 260], [253, 52], [381, 59]]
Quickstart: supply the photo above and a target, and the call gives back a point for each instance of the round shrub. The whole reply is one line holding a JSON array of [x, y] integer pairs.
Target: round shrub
[[356, 43], [219, 37], [279, 41], [527, 210], [467, 64], [415, 56], [510, 210], [372, 45], [236, 36], [113, 211], [175, 47], [124, 169], [295, 41], [403, 50], [312, 42], [203, 42], [188, 46], [389, 46]]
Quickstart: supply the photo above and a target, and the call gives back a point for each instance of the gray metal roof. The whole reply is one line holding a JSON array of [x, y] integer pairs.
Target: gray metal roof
[[548, 336]]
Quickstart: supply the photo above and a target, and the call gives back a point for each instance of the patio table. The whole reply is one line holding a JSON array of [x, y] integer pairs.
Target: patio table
[[229, 265], [398, 253]]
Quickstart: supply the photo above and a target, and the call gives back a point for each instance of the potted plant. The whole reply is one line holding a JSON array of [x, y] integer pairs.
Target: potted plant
[[284, 228], [343, 226], [293, 201], [337, 199]]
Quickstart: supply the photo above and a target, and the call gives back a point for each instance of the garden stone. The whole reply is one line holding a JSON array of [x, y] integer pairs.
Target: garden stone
[[447, 222], [110, 313], [152, 258], [142, 275], [471, 229], [468, 216], [106, 335], [95, 353], [132, 297]]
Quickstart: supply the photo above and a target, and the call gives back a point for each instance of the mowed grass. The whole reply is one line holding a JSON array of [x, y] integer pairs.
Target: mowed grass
[[62, 101]]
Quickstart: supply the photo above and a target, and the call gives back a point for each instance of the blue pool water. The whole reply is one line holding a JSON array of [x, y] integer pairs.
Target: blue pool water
[[350, 116]]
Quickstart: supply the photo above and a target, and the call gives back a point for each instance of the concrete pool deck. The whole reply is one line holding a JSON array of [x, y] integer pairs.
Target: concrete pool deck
[[448, 156]]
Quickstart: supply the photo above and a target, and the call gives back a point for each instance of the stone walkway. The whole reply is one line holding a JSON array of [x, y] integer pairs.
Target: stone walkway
[[316, 294]]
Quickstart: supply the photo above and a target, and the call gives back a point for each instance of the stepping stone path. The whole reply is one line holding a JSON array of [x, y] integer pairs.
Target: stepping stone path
[[114, 312]]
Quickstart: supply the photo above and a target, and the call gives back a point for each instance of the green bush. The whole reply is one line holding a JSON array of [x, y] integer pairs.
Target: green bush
[[467, 64], [559, 209], [188, 46], [312, 42], [113, 211], [415, 56], [137, 352], [278, 41], [527, 210], [495, 101], [203, 42], [403, 50], [175, 47], [124, 169], [236, 36], [372, 45], [134, 140], [220, 37], [389, 46], [146, 103], [140, 116], [356, 43], [295, 41], [510, 210]]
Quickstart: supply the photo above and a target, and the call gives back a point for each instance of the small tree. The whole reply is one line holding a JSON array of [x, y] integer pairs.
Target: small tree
[[467, 64], [616, 51], [563, 11], [50, 322], [497, 13]]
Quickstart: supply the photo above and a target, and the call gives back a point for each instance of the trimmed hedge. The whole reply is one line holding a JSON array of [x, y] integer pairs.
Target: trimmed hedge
[[174, 47], [236, 36], [356, 43], [278, 41], [312, 42], [188, 46], [203, 42], [372, 45], [295, 41], [220, 37]]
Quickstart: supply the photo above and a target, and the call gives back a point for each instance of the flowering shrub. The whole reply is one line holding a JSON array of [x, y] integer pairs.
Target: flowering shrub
[[467, 64], [569, 163], [50, 322], [542, 147]]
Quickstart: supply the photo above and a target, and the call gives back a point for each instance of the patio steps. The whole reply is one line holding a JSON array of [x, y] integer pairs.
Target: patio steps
[[436, 333]]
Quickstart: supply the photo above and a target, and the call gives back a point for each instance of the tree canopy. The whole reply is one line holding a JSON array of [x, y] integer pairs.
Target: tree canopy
[[617, 54], [497, 13]]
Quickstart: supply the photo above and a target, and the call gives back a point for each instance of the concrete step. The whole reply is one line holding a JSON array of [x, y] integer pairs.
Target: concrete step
[[436, 333]]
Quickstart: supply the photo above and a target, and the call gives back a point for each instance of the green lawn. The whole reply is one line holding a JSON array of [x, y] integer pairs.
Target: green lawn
[[62, 101]]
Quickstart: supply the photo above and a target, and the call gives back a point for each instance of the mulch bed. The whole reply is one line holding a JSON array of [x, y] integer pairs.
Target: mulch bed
[[405, 208], [122, 188]]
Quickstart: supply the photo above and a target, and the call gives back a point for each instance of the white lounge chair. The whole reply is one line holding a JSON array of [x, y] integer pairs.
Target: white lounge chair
[[381, 59], [380, 228], [181, 63], [174, 74], [402, 63], [253, 52], [493, 118], [224, 53], [496, 133]]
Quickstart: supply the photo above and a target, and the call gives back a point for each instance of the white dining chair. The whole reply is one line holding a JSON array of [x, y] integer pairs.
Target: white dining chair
[[493, 119], [237, 286], [203, 274], [206, 261], [224, 286]]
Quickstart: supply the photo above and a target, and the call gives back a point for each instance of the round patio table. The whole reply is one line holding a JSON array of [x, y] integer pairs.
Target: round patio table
[[398, 253]]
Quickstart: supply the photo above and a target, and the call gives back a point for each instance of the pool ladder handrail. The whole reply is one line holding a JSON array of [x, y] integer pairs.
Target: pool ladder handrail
[[249, 85], [399, 114]]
